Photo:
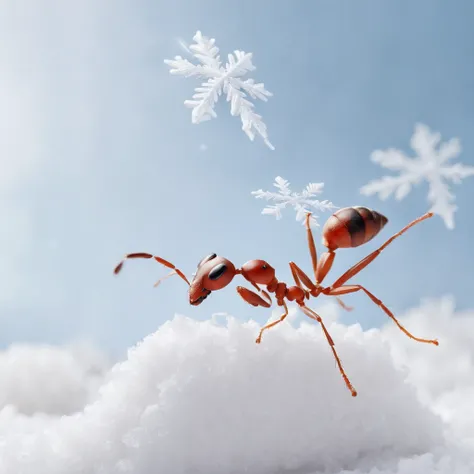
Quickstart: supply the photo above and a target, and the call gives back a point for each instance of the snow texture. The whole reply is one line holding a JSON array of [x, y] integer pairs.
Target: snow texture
[[202, 397], [51, 380], [433, 163], [222, 79], [302, 203]]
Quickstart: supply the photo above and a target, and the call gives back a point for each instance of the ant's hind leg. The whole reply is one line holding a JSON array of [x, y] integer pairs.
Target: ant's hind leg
[[313, 315], [358, 267], [345, 289], [343, 305]]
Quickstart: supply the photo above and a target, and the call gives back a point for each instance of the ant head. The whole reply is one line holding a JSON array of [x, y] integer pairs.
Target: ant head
[[213, 273]]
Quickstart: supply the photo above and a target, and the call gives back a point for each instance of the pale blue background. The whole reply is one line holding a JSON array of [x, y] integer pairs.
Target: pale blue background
[[116, 164]]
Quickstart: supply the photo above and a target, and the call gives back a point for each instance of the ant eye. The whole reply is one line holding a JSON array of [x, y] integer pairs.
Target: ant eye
[[217, 271], [206, 259]]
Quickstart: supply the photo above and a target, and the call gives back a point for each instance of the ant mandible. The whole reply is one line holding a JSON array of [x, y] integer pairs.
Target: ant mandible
[[347, 228]]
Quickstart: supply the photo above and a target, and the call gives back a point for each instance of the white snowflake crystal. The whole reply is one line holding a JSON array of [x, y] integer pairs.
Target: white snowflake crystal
[[302, 203], [222, 79], [432, 164]]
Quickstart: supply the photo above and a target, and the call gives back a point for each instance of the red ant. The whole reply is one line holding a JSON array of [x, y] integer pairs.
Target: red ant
[[347, 228]]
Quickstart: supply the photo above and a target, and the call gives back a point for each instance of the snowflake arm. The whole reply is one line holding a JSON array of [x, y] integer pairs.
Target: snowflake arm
[[457, 172], [255, 91], [442, 201], [223, 79], [251, 121], [303, 202], [205, 52], [204, 100], [431, 164]]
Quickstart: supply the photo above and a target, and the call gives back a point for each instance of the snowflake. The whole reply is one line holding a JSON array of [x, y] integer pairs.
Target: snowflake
[[301, 202], [431, 164], [222, 79]]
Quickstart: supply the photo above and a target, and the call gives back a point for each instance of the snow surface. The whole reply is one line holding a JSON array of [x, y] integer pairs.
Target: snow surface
[[202, 397]]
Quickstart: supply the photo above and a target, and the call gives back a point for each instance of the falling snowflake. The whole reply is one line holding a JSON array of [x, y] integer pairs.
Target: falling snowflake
[[432, 164], [222, 79], [302, 203]]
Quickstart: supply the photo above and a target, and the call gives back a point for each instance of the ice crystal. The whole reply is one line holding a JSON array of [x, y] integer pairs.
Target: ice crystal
[[303, 202], [433, 164], [221, 79]]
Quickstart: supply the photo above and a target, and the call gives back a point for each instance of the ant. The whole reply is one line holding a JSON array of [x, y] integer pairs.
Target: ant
[[349, 227]]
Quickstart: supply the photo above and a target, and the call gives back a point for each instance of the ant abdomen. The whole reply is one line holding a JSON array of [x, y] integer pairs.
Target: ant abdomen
[[352, 226]]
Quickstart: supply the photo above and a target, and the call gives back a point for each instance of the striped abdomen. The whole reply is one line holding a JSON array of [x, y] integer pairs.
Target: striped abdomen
[[351, 227]]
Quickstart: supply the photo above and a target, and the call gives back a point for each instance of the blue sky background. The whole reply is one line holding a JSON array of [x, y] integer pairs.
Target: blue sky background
[[100, 158]]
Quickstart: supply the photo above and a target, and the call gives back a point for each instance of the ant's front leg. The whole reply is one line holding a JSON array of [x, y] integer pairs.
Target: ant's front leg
[[273, 323], [252, 298]]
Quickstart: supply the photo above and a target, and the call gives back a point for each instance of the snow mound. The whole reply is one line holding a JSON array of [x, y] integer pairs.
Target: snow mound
[[199, 397], [52, 380]]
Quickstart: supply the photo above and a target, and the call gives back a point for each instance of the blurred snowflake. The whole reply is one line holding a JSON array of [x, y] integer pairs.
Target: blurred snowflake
[[432, 164], [222, 79], [302, 203]]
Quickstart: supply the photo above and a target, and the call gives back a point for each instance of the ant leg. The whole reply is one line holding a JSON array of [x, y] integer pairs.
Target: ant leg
[[313, 315], [295, 276], [324, 265], [343, 305], [273, 323], [300, 276], [321, 268], [263, 292], [353, 288], [158, 259], [170, 274], [253, 299], [311, 245], [355, 269]]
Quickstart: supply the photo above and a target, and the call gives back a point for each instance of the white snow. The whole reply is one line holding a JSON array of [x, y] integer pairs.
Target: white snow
[[48, 379], [433, 164], [202, 397]]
